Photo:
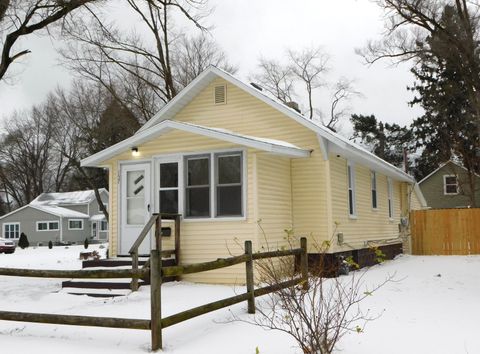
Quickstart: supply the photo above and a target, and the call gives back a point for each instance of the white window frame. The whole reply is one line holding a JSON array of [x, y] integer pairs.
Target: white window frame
[[216, 184], [11, 223], [179, 188], [445, 184], [373, 187], [351, 188], [101, 223], [48, 225], [390, 199], [74, 228], [94, 229], [210, 185]]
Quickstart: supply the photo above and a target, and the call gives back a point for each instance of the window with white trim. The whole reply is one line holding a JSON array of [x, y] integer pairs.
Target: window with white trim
[[373, 179], [11, 230], [75, 224], [390, 197], [103, 225], [450, 185], [352, 210], [228, 184], [197, 186], [48, 226], [214, 185]]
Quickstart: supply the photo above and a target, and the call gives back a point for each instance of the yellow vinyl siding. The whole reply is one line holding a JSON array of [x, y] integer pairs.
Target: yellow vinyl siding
[[369, 224], [274, 201], [248, 115]]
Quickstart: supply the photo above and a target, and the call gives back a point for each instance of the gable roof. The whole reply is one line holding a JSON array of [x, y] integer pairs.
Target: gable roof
[[76, 197], [329, 140], [442, 166], [52, 210]]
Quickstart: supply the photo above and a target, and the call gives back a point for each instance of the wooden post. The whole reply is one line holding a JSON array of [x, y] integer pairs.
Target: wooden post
[[156, 299], [249, 273], [158, 232], [304, 262], [177, 239], [134, 283]]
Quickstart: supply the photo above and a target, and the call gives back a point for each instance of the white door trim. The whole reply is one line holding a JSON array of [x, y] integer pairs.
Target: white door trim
[[123, 168]]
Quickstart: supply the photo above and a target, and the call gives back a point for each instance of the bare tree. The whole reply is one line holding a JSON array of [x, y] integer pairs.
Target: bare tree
[[319, 315], [102, 52], [276, 78], [343, 92], [192, 55], [308, 65], [20, 18], [25, 155], [304, 75]]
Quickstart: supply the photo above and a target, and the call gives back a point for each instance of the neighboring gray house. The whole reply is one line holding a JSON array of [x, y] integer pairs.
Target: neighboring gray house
[[448, 187], [68, 217]]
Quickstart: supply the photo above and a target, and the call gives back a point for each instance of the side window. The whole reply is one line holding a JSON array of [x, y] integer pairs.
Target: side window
[[373, 177], [390, 197], [11, 230], [351, 190], [450, 185]]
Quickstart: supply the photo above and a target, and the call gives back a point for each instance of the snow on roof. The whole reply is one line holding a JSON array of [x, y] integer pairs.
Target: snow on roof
[[97, 217], [59, 211], [77, 197], [336, 143]]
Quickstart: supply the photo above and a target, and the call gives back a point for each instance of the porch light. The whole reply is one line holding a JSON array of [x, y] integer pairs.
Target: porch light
[[135, 151]]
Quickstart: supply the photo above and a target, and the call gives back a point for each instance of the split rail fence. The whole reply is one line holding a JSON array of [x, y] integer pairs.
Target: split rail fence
[[445, 231], [156, 272]]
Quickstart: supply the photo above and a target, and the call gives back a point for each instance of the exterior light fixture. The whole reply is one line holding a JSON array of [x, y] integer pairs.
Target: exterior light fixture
[[135, 151]]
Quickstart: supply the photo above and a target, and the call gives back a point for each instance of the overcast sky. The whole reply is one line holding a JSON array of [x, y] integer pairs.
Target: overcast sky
[[248, 29]]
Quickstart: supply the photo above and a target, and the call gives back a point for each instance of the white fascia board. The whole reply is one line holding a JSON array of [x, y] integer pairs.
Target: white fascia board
[[167, 125]]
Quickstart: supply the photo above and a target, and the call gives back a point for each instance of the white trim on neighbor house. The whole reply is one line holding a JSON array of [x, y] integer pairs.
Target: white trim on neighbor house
[[269, 145], [15, 224], [75, 228], [339, 144], [351, 188], [450, 184], [48, 222]]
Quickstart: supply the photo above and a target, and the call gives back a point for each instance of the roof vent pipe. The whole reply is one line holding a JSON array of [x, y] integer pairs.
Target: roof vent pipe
[[293, 105], [257, 86]]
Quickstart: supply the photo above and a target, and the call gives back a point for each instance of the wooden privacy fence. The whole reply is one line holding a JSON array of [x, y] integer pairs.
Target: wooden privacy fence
[[445, 231], [155, 271]]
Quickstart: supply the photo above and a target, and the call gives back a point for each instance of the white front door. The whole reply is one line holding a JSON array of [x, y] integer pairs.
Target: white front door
[[135, 206]]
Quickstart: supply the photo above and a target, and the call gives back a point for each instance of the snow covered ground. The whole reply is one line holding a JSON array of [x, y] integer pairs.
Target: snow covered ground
[[432, 308]]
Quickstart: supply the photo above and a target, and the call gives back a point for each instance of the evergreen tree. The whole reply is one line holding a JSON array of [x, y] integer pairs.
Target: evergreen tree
[[23, 241], [86, 243], [385, 140], [448, 129], [50, 244]]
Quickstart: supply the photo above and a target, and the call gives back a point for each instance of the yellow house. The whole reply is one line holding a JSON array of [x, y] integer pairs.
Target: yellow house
[[239, 165]]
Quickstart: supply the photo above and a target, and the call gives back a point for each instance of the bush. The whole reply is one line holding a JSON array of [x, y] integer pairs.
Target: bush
[[50, 244], [23, 241], [86, 243]]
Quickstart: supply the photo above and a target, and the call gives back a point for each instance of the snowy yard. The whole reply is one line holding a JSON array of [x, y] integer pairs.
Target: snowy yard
[[433, 308]]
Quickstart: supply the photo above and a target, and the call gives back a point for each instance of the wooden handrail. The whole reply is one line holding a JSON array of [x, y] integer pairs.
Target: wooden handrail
[[155, 219], [143, 234]]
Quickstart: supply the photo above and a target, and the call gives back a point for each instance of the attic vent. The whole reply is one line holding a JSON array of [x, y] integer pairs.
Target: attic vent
[[220, 94]]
